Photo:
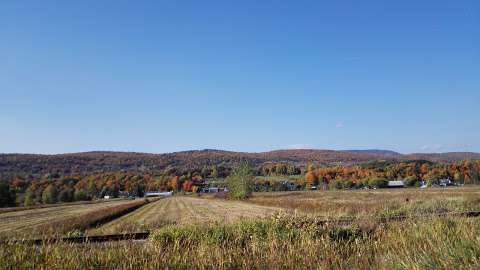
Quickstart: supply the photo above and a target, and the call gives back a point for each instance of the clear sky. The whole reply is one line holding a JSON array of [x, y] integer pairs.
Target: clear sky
[[162, 76]]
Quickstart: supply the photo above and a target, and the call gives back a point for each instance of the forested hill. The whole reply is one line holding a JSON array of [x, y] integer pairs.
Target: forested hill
[[90, 162]]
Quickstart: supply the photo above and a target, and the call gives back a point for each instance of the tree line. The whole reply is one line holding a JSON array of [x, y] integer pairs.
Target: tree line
[[53, 188]]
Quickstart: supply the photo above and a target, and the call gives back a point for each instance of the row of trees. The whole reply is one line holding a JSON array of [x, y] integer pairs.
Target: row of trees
[[466, 172], [49, 189], [54, 188]]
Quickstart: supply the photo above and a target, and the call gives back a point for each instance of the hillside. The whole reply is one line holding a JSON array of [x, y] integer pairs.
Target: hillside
[[387, 153], [90, 162], [443, 157]]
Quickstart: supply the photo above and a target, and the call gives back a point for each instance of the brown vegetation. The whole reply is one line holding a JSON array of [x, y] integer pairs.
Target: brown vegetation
[[61, 219], [349, 203]]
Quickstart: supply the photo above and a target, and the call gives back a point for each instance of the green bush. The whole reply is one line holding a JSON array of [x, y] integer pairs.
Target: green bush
[[378, 182], [80, 195], [66, 195], [411, 181], [335, 184], [348, 184]]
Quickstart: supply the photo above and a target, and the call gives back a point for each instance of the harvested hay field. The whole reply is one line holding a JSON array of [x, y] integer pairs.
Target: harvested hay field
[[34, 222], [184, 210], [372, 202]]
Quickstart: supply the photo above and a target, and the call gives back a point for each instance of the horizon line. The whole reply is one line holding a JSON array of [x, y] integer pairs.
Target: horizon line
[[223, 150]]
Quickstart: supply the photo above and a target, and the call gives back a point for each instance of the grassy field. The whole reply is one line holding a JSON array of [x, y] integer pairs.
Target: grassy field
[[372, 202], [39, 206], [34, 222], [279, 243], [264, 233], [184, 210]]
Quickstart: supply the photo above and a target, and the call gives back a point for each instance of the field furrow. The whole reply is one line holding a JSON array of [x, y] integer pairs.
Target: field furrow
[[29, 221], [184, 210]]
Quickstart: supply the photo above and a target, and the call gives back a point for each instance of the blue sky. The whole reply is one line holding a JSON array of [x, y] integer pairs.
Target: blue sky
[[163, 76]]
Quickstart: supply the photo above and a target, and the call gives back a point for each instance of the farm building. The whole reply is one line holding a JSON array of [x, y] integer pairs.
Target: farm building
[[290, 186], [215, 189], [444, 182], [158, 194], [396, 184]]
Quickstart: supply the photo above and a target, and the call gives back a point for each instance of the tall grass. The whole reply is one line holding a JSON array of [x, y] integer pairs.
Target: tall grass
[[278, 243]]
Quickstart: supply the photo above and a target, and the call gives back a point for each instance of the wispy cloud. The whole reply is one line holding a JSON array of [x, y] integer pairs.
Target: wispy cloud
[[437, 147], [339, 125], [433, 148]]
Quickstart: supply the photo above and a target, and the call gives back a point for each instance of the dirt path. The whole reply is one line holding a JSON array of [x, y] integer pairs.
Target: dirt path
[[184, 210]]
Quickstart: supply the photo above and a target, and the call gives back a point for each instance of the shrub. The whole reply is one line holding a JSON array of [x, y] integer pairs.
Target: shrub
[[29, 198], [378, 182], [80, 195], [335, 184], [7, 196], [66, 195], [411, 181], [239, 234], [348, 184]]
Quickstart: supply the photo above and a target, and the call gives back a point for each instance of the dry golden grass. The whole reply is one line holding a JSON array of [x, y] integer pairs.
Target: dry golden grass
[[40, 206], [216, 234], [32, 222], [369, 202], [184, 210], [438, 243]]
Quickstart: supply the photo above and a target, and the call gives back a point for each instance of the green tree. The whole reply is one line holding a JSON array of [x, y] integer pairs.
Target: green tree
[[411, 181], [214, 173], [49, 195], [32, 196], [80, 195], [29, 198], [240, 182], [348, 184], [378, 182], [458, 178], [113, 191], [292, 170], [65, 195], [335, 184], [281, 169], [205, 172], [92, 189], [7, 196]]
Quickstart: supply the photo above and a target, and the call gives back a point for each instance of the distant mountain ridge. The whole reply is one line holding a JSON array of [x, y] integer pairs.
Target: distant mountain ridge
[[388, 153], [88, 162]]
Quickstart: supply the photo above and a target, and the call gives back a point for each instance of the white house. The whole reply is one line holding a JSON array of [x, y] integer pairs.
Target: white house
[[445, 182], [158, 194], [396, 184]]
